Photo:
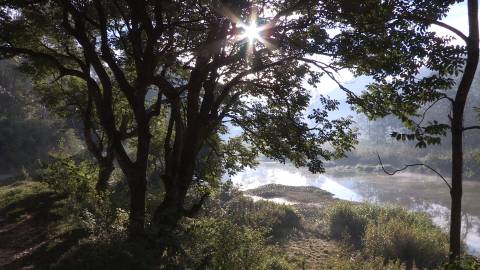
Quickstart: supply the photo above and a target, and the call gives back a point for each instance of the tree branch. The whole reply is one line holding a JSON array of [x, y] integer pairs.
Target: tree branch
[[61, 68], [441, 24], [471, 127], [452, 29], [413, 165], [237, 79]]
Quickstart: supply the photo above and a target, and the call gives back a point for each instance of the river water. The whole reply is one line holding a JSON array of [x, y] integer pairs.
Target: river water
[[416, 192]]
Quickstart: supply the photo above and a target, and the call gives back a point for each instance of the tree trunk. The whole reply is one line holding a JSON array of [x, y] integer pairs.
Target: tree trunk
[[456, 193], [170, 211], [177, 183], [104, 173], [137, 186], [458, 129]]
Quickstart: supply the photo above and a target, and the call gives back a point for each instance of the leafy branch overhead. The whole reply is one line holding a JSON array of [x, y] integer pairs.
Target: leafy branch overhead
[[172, 75], [412, 67]]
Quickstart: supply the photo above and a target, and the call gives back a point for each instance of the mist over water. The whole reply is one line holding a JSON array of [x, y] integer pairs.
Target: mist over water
[[416, 192]]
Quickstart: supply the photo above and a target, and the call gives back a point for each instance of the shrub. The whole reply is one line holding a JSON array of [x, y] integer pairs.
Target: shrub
[[277, 263], [390, 232], [345, 221], [416, 243], [377, 263], [465, 262], [221, 244], [280, 220], [81, 205]]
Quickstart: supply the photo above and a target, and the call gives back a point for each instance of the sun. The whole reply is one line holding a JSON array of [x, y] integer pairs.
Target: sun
[[251, 32]]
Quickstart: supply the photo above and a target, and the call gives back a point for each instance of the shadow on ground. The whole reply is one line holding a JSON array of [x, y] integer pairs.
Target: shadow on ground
[[27, 241]]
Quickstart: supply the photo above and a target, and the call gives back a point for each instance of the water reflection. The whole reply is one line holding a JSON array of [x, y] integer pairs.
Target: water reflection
[[413, 191]]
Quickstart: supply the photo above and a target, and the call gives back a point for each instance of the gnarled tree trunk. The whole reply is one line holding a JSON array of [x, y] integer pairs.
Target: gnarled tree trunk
[[180, 163]]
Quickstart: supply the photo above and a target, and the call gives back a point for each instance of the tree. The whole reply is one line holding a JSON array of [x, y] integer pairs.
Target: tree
[[394, 44], [25, 127], [207, 64], [66, 98]]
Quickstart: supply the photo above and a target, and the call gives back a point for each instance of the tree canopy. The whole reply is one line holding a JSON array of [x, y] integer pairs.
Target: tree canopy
[[204, 64]]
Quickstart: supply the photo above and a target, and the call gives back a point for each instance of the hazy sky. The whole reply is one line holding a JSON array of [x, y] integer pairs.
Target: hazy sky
[[457, 17]]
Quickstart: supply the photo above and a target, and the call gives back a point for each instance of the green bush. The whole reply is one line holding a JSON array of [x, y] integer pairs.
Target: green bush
[[281, 220], [416, 243], [221, 244], [465, 262], [278, 263], [390, 232], [347, 221], [378, 263], [82, 206]]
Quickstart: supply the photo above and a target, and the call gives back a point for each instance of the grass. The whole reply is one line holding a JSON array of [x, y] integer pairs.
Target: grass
[[30, 231], [38, 222], [389, 232], [233, 230], [294, 194], [23, 197]]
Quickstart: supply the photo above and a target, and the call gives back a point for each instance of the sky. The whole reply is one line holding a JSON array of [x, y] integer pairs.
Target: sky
[[457, 17]]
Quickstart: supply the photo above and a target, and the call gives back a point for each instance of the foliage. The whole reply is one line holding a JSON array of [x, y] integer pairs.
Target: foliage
[[82, 206], [191, 63], [221, 244], [68, 176], [464, 262], [397, 38], [278, 221], [393, 42], [390, 232], [346, 220], [27, 133], [417, 244], [209, 243], [376, 263]]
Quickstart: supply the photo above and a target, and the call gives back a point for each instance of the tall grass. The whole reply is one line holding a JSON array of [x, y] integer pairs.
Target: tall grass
[[390, 232]]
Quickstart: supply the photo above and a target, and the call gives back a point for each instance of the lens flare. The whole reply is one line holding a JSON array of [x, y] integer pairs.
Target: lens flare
[[251, 32]]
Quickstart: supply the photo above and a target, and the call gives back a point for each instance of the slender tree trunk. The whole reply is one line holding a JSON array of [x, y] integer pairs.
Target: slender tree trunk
[[456, 193], [457, 129]]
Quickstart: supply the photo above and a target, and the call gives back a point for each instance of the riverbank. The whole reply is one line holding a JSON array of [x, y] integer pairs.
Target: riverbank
[[362, 233], [38, 232], [312, 248], [413, 191]]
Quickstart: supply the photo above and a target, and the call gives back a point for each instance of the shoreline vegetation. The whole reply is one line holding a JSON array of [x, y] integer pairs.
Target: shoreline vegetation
[[364, 232], [233, 231]]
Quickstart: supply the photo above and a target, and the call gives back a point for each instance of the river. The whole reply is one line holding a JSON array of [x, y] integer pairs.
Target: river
[[416, 192]]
